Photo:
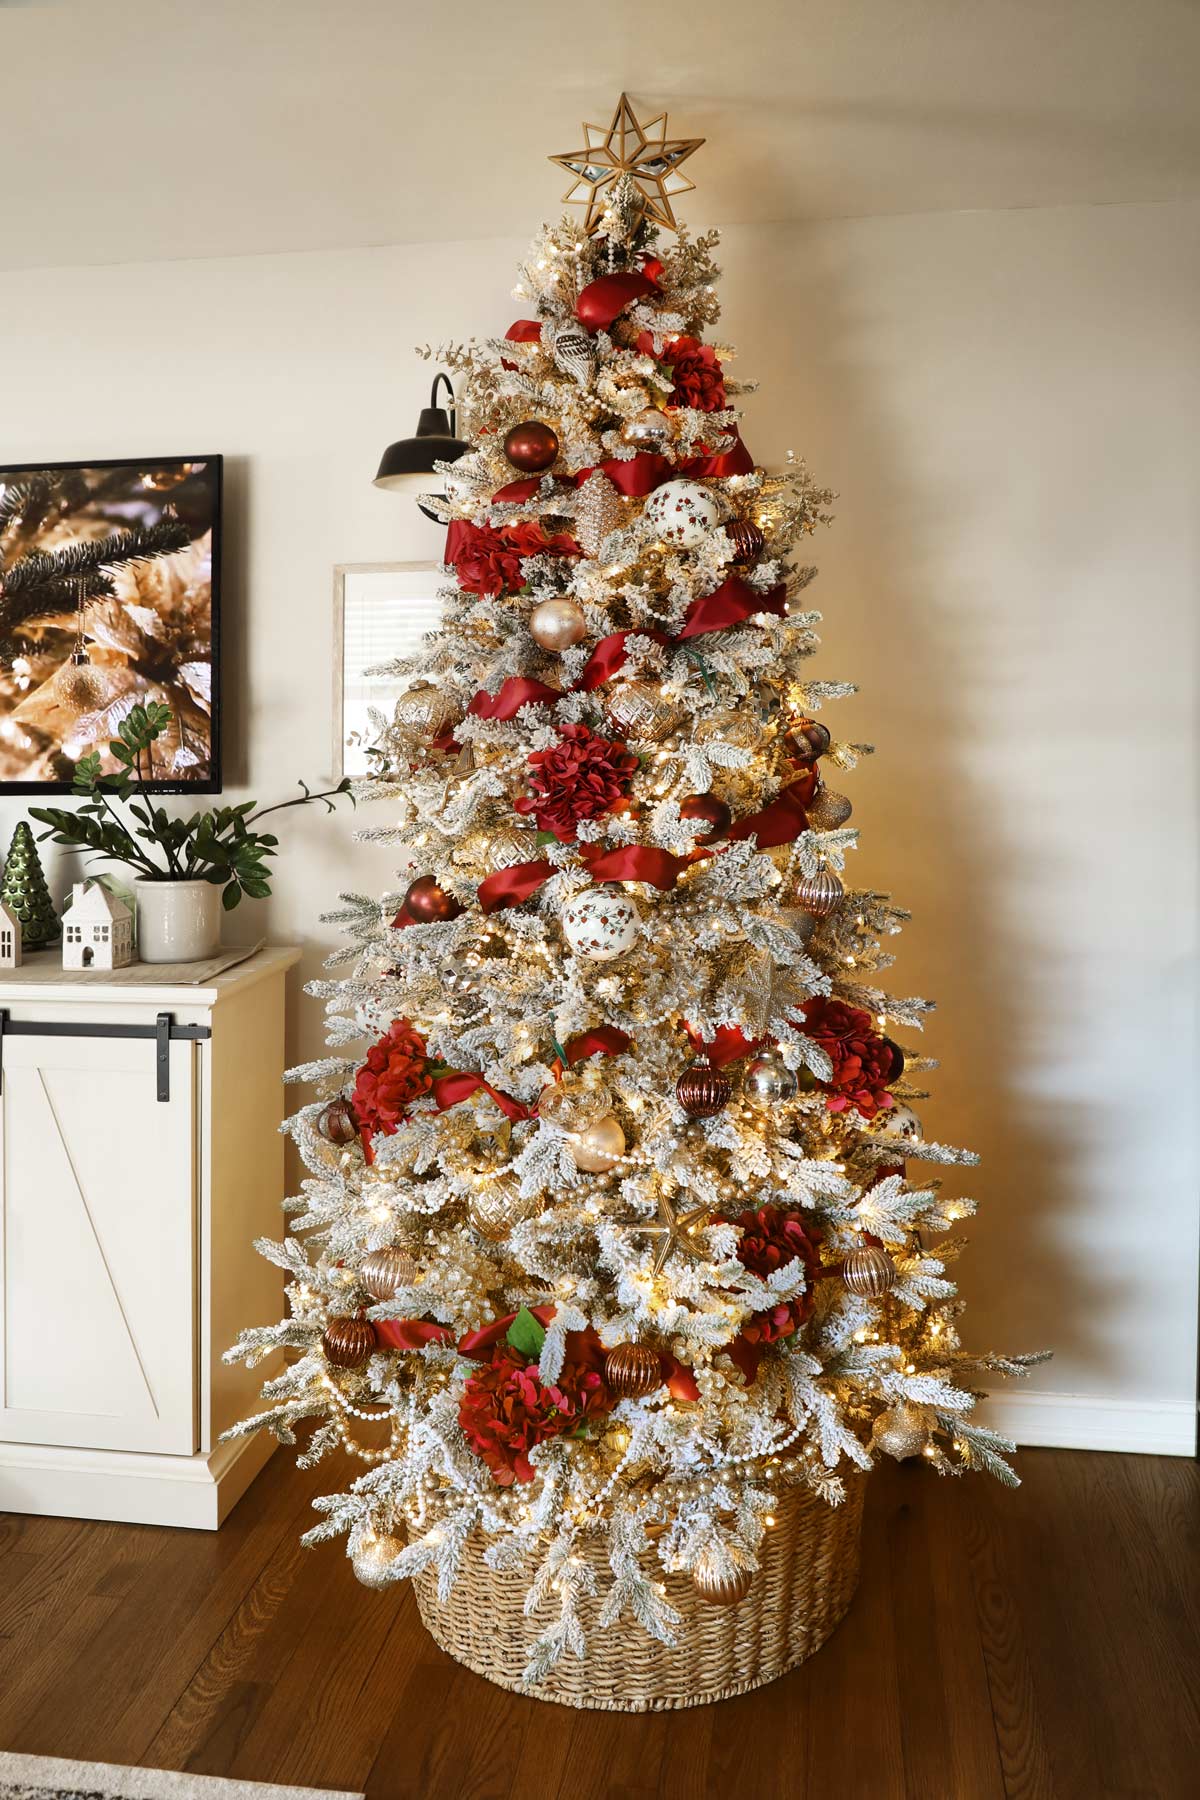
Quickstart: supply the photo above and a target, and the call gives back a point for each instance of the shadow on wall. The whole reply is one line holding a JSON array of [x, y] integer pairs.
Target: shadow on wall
[[923, 647]]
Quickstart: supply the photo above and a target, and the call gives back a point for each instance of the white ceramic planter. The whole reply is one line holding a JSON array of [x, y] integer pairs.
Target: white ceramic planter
[[178, 921]]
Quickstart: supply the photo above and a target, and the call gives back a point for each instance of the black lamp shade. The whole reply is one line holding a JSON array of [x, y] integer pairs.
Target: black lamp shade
[[434, 442]]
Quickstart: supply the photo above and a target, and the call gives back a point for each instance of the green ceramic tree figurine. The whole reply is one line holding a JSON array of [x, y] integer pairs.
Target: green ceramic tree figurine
[[24, 890]]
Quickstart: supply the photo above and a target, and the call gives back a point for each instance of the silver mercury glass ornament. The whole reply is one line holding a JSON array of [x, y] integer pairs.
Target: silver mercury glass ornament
[[768, 1081]]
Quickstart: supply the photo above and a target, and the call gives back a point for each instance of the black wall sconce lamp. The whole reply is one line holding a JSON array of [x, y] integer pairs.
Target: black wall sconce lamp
[[407, 462]]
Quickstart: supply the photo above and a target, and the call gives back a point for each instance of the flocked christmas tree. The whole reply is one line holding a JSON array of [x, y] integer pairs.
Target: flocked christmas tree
[[614, 1226]]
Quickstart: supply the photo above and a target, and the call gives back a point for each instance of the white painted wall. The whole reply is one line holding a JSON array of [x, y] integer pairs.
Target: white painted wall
[[1006, 403]]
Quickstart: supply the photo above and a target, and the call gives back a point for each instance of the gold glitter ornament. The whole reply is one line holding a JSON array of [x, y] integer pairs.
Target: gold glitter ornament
[[372, 1561], [869, 1272], [557, 623], [818, 894], [383, 1271], [598, 511], [600, 1147], [640, 709], [740, 729], [496, 1206], [827, 811], [901, 1431], [716, 1586], [423, 710], [633, 1371]]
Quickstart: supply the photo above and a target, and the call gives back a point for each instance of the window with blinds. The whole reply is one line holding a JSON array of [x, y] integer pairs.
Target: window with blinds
[[384, 613]]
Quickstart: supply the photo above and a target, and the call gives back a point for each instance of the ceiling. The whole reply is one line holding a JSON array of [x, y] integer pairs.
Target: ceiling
[[136, 130]]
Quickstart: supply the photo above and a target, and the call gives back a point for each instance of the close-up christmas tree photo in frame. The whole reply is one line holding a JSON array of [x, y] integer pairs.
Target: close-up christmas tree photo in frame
[[109, 591]]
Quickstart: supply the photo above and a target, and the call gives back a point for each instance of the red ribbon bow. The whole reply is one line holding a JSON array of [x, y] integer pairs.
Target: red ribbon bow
[[602, 300]]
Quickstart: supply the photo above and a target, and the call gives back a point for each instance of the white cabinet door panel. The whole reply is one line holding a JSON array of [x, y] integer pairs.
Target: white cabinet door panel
[[97, 1250]]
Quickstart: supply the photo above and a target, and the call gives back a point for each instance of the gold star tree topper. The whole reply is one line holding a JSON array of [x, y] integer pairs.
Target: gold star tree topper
[[643, 152]]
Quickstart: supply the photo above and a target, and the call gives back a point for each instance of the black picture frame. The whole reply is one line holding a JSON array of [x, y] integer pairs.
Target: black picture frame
[[215, 466]]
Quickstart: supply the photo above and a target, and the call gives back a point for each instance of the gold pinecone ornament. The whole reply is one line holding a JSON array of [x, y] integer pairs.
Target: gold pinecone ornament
[[598, 511]]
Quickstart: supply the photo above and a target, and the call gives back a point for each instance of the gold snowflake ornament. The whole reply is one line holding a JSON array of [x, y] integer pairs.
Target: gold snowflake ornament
[[643, 152]]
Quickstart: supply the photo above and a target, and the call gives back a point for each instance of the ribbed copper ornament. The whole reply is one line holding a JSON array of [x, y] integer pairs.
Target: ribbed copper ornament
[[869, 1272], [383, 1271], [819, 894], [336, 1123], [497, 1206], [746, 538], [640, 709], [348, 1342], [806, 739], [703, 1091], [716, 1588], [633, 1370], [598, 511], [425, 711], [827, 811]]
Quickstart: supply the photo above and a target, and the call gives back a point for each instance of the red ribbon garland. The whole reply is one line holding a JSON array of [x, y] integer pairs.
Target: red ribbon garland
[[602, 1040], [449, 1090], [785, 818], [637, 476], [731, 604], [635, 862], [521, 690], [410, 1334], [729, 1044], [508, 887], [602, 300]]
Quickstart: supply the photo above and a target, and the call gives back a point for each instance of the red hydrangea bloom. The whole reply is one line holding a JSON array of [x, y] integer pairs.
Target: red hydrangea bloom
[[863, 1061], [772, 1238], [696, 373], [488, 561], [581, 777], [505, 1410], [395, 1074]]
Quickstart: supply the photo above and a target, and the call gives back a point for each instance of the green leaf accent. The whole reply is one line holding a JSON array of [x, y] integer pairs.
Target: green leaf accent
[[526, 1335]]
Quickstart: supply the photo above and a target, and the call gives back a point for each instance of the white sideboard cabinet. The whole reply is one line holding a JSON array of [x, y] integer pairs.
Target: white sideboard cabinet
[[140, 1156]]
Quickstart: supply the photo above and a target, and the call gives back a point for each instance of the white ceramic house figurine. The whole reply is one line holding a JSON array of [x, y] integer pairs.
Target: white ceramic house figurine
[[97, 929], [10, 938]]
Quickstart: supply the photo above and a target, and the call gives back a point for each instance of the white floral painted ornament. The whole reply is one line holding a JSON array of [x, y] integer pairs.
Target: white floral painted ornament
[[601, 923], [682, 513]]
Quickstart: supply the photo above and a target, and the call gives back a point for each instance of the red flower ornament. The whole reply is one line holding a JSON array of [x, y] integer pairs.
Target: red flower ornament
[[583, 776], [772, 1238], [699, 381], [505, 1410], [395, 1074], [487, 561], [863, 1061]]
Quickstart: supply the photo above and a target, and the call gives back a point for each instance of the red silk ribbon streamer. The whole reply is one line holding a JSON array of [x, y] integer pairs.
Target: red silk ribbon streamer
[[449, 1090], [456, 531], [479, 1344], [508, 887], [608, 658], [730, 604], [516, 692], [737, 460], [652, 266], [636, 862], [681, 1383], [602, 1040], [524, 331], [602, 300], [637, 476], [411, 1334], [727, 1045], [782, 821]]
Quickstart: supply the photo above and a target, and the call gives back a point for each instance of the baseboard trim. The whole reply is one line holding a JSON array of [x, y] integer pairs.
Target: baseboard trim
[[1090, 1422], [135, 1488]]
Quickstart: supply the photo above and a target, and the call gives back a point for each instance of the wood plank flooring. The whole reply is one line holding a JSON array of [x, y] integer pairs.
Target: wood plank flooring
[[1031, 1645]]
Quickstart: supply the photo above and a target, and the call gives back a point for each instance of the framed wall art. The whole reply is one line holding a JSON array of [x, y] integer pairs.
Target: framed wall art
[[381, 611]]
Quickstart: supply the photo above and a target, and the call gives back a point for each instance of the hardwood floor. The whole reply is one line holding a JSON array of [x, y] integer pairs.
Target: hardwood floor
[[1042, 1643]]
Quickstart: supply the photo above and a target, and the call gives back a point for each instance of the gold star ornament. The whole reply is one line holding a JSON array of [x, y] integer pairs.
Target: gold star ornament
[[645, 153], [675, 1231]]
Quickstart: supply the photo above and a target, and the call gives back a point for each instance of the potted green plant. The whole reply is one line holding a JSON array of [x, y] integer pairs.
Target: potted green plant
[[181, 865]]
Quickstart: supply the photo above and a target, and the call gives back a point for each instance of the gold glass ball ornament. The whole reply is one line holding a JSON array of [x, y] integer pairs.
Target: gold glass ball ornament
[[424, 711], [717, 1586], [557, 623], [383, 1271], [505, 845], [574, 1102], [901, 1431], [819, 894], [869, 1272], [649, 429], [703, 1091], [372, 1561], [601, 923], [899, 1121], [827, 811], [767, 1080], [640, 709], [348, 1342], [600, 1147], [496, 1206], [632, 1371]]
